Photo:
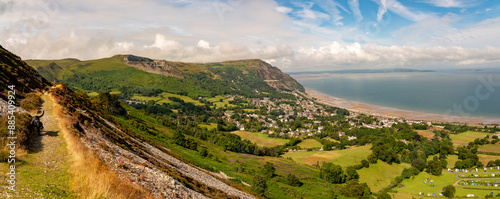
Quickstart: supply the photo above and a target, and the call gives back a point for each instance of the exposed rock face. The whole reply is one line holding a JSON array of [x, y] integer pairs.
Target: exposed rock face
[[160, 67], [134, 167], [274, 76]]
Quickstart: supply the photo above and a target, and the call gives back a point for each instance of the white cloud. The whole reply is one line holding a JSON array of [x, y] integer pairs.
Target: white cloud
[[419, 33], [283, 9], [354, 6], [203, 44], [332, 8], [353, 55], [196, 32], [484, 33], [400, 9], [450, 3]]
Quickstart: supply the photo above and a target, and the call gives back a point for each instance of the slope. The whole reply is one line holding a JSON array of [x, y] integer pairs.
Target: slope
[[139, 75]]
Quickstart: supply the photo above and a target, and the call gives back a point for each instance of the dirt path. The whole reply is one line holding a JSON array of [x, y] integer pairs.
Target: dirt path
[[43, 172]]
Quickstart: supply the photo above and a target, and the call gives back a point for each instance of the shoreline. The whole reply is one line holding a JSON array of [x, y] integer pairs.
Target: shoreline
[[389, 112]]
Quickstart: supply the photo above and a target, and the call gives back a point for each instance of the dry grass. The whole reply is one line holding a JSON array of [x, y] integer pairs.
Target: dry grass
[[91, 178], [426, 133]]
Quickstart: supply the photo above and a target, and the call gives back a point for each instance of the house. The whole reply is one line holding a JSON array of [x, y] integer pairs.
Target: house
[[341, 134], [351, 138]]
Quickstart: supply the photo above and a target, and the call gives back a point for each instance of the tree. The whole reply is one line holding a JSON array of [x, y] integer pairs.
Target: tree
[[259, 185], [351, 173], [110, 104], [419, 164], [292, 180], [479, 164], [355, 189], [435, 167], [459, 164], [365, 163], [491, 163], [449, 191], [332, 173], [268, 170], [203, 151], [384, 195]]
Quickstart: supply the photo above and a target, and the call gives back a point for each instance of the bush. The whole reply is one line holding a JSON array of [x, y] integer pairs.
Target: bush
[[292, 180], [259, 185], [332, 173], [24, 133], [354, 189], [4, 155], [268, 170], [449, 191], [384, 195], [31, 102]]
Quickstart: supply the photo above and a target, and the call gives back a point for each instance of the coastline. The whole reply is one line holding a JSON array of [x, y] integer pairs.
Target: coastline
[[389, 112]]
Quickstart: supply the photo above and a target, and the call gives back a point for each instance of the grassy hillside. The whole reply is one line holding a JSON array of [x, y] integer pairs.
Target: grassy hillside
[[13, 71], [252, 78], [240, 167]]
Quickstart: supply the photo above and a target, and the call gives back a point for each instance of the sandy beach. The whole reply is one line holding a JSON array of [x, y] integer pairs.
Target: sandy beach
[[396, 113]]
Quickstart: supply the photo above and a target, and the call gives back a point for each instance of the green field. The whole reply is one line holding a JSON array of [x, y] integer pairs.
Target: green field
[[209, 126], [464, 138], [416, 184], [163, 98], [451, 159], [344, 158], [218, 103], [486, 158], [260, 139], [490, 148], [381, 174], [310, 143]]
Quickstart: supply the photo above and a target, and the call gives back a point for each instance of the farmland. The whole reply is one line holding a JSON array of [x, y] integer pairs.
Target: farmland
[[260, 138], [344, 158]]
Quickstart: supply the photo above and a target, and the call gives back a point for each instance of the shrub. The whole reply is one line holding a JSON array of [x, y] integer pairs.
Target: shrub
[[31, 102], [332, 173], [4, 155], [449, 191], [23, 130], [259, 185], [292, 180]]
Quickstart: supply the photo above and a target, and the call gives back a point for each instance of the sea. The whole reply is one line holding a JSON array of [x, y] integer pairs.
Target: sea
[[451, 92]]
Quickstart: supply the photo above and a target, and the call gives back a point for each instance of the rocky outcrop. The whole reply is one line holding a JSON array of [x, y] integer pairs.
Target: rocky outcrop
[[274, 76], [160, 67]]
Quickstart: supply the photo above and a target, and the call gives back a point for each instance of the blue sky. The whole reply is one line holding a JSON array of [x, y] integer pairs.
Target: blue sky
[[292, 35]]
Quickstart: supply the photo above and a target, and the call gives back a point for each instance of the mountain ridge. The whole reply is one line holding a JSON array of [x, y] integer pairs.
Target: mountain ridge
[[71, 70]]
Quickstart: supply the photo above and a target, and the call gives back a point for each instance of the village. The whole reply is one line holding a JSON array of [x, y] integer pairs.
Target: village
[[304, 118]]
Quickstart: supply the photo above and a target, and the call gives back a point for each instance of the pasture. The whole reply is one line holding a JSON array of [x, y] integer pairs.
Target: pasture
[[310, 143], [261, 139], [344, 158], [464, 138], [426, 133], [381, 174], [490, 148]]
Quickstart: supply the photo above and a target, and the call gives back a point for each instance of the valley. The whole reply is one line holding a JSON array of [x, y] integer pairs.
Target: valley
[[242, 129]]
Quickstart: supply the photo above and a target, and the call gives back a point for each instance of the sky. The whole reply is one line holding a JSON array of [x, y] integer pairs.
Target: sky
[[292, 35]]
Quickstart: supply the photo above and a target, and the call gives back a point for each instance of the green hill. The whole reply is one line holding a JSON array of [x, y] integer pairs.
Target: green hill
[[131, 75]]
